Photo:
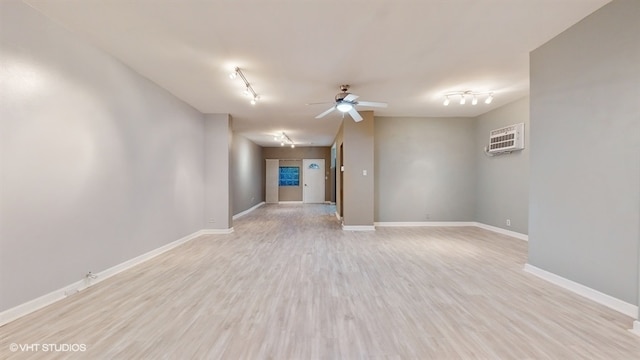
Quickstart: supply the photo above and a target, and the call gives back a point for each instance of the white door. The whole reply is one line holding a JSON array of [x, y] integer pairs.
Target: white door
[[313, 178], [272, 181]]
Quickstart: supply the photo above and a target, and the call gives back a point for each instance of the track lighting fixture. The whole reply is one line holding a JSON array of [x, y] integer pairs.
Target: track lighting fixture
[[463, 97], [248, 89], [284, 139]]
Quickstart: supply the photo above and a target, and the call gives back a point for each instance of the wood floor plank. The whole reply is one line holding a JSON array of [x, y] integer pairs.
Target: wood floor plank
[[290, 284]]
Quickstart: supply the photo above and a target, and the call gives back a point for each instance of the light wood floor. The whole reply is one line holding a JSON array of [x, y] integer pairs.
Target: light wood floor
[[289, 284]]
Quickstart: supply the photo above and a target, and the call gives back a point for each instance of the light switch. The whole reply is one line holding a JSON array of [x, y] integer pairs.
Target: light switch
[[364, 172]]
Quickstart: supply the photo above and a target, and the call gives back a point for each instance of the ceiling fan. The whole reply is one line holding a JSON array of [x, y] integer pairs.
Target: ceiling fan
[[347, 102]]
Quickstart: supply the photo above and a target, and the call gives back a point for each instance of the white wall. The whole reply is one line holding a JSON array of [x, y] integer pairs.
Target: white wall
[[98, 165], [584, 216], [502, 183]]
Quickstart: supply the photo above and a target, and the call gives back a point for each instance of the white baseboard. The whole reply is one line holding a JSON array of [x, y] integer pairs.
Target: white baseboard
[[290, 202], [215, 231], [591, 294], [243, 213], [424, 223], [338, 216], [358, 227], [636, 328], [56, 295], [21, 310], [498, 230]]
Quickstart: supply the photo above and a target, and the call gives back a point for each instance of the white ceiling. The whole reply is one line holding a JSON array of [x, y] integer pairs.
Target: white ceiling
[[403, 52]]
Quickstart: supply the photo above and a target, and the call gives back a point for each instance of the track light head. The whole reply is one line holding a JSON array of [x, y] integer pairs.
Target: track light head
[[489, 99], [463, 100], [446, 101]]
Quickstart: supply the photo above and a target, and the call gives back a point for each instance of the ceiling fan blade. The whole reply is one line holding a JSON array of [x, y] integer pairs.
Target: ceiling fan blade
[[350, 98], [354, 114], [372, 104], [326, 112], [320, 103]]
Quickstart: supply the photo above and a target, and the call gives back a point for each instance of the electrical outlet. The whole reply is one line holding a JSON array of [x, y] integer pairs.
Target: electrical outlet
[[427, 217], [508, 222]]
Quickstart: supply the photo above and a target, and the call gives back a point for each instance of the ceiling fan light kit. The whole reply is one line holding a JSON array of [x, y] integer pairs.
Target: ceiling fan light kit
[[344, 107], [346, 102], [248, 89], [473, 95]]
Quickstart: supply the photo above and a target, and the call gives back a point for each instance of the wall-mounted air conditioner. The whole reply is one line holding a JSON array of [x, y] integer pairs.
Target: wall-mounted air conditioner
[[506, 139]]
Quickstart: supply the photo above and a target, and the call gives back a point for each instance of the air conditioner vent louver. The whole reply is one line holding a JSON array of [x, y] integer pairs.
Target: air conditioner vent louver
[[510, 138]]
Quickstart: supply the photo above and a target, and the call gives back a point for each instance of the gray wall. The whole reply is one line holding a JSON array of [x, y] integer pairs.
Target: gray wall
[[585, 152], [358, 156], [502, 182], [425, 166], [98, 165], [247, 169], [217, 160]]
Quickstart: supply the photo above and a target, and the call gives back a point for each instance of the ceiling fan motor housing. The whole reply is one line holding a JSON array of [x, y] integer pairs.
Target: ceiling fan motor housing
[[343, 94]]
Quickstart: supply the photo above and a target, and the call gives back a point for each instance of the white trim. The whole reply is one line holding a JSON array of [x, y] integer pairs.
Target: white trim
[[243, 213], [21, 310], [425, 223], [290, 202], [514, 234], [591, 294], [636, 328], [338, 216], [56, 295], [216, 231], [358, 227]]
